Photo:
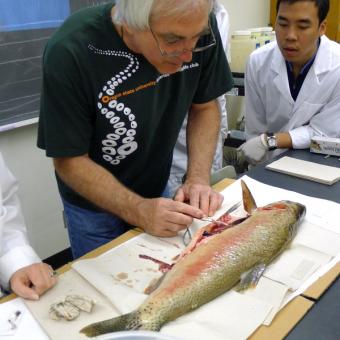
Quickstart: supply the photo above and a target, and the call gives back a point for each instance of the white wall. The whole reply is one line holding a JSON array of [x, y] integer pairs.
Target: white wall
[[37, 190], [244, 14], [247, 13]]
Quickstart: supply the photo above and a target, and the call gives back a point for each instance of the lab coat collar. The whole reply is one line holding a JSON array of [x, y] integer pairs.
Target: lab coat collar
[[322, 63], [323, 60], [308, 64], [219, 8], [278, 62], [281, 82]]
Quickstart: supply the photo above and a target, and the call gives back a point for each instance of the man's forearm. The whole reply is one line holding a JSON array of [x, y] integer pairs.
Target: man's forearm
[[284, 141], [99, 186], [202, 133]]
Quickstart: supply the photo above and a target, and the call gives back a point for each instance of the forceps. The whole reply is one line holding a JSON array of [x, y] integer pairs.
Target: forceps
[[187, 236]]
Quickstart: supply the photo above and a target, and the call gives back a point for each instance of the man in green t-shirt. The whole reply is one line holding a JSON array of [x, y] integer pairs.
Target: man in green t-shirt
[[118, 80]]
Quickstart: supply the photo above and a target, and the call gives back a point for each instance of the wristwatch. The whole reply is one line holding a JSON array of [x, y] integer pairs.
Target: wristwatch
[[271, 141]]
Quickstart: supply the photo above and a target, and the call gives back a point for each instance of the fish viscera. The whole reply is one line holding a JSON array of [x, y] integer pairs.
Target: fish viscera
[[240, 253]]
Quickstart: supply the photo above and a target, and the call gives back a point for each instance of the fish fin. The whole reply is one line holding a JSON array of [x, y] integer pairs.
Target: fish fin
[[154, 284], [250, 278], [123, 322], [248, 199]]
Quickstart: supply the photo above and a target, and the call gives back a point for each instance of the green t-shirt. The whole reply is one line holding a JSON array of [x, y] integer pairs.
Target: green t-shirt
[[100, 98]]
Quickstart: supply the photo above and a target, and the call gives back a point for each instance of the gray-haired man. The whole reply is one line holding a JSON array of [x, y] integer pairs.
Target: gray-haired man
[[118, 81]]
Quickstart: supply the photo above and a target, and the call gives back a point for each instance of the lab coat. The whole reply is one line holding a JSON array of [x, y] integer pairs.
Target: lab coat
[[180, 157], [270, 106], [15, 251]]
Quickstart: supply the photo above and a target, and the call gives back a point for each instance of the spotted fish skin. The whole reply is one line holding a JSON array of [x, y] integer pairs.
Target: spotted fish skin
[[212, 268]]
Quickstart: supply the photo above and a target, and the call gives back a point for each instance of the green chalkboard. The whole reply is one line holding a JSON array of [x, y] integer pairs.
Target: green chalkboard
[[25, 27]]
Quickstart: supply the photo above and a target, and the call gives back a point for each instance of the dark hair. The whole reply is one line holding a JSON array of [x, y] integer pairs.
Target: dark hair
[[322, 5]]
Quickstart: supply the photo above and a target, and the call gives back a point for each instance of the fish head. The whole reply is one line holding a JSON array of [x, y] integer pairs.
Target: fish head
[[299, 211], [288, 215], [298, 208]]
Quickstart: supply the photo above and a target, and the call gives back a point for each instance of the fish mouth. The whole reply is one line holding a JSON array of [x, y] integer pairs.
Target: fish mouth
[[299, 209]]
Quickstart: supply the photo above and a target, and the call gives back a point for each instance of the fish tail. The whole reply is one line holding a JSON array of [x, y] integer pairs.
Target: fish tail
[[123, 322]]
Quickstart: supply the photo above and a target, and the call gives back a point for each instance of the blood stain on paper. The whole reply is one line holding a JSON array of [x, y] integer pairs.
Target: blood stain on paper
[[122, 276], [151, 270], [163, 266]]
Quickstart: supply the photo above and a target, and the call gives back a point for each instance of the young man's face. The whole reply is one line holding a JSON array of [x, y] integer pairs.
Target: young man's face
[[298, 30]]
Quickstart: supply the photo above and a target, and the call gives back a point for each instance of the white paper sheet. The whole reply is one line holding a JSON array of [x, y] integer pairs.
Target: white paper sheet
[[295, 265], [318, 238], [121, 275], [271, 291], [69, 283], [27, 327], [326, 215]]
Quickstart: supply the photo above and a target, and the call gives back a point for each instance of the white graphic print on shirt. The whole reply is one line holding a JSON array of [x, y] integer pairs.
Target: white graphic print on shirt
[[121, 142]]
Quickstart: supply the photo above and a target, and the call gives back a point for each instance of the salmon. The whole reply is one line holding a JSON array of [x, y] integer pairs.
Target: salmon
[[236, 257]]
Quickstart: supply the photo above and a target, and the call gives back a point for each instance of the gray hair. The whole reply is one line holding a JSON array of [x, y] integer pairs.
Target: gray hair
[[139, 13]]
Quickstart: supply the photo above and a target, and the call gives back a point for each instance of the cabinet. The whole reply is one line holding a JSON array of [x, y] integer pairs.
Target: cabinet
[[333, 19]]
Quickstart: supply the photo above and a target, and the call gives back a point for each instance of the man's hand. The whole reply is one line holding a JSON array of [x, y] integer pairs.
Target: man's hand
[[200, 196], [165, 217], [32, 281], [255, 149]]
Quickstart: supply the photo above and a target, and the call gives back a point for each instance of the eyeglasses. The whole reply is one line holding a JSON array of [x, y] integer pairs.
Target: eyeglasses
[[192, 50]]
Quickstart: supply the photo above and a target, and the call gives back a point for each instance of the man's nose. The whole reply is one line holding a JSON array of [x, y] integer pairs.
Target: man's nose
[[291, 34], [188, 46], [186, 56]]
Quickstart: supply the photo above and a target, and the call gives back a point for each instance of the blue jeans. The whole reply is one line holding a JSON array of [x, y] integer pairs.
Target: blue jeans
[[88, 230]]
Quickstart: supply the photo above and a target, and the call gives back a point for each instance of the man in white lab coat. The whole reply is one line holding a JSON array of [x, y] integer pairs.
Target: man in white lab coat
[[180, 155], [21, 269], [293, 85]]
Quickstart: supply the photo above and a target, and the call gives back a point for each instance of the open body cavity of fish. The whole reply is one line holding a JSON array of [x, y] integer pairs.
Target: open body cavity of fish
[[238, 255]]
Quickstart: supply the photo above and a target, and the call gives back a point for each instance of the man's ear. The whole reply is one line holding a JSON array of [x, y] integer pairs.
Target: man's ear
[[323, 27]]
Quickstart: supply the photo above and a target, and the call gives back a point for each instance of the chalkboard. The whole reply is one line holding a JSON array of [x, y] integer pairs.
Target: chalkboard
[[25, 27]]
